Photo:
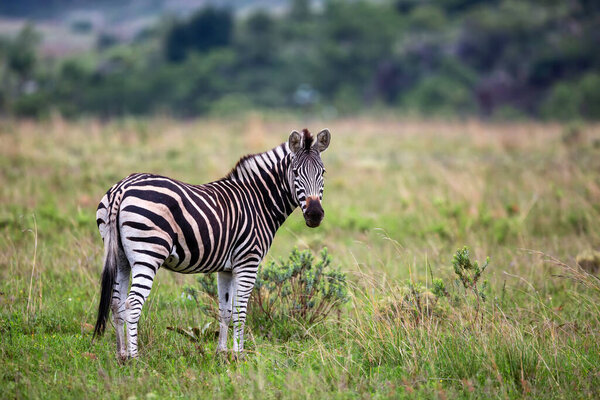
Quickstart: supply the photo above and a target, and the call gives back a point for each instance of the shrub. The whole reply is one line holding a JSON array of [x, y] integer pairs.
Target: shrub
[[34, 105], [572, 100], [300, 288]]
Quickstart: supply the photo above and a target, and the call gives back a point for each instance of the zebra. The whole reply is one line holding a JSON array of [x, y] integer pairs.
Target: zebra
[[149, 221]]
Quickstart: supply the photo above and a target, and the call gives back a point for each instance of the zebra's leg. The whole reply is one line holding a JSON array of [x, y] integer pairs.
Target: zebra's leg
[[244, 278], [118, 303], [225, 287], [143, 273]]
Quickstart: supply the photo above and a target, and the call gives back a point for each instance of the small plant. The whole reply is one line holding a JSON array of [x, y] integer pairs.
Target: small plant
[[300, 288], [417, 301], [439, 288], [469, 273]]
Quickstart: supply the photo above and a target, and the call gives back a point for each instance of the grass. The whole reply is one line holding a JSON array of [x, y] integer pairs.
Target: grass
[[400, 198]]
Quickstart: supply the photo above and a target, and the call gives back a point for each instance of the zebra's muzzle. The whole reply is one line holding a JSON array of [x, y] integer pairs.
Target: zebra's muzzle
[[314, 213]]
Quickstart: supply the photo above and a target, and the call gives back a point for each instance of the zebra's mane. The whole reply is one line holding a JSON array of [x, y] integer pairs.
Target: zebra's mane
[[307, 142], [308, 139], [243, 160]]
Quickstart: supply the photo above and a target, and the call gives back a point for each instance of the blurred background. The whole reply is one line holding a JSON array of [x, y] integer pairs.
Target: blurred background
[[501, 59]]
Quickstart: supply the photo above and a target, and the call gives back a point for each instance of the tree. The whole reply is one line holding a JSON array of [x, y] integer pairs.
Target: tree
[[207, 29]]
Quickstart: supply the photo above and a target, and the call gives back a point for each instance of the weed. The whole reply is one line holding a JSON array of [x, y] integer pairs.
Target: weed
[[469, 273]]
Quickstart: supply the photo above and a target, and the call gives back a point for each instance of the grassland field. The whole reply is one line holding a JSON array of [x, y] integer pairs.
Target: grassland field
[[401, 196]]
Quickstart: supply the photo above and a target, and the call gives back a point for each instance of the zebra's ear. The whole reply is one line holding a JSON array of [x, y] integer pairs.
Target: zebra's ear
[[322, 142], [295, 141]]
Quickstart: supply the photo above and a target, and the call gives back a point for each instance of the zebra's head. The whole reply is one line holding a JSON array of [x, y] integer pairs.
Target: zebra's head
[[307, 173]]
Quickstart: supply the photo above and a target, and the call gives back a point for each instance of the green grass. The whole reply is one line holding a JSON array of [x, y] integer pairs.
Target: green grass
[[400, 198]]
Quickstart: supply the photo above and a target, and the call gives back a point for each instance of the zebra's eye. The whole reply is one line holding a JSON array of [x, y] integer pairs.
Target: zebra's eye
[[295, 171], [324, 171]]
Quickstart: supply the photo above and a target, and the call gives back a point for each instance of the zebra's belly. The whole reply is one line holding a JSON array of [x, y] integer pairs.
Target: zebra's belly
[[172, 263]]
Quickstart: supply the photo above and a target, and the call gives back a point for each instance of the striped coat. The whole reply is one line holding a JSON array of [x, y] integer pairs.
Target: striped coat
[[227, 226]]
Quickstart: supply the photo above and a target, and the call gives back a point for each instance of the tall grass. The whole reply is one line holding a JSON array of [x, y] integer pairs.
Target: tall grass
[[401, 197]]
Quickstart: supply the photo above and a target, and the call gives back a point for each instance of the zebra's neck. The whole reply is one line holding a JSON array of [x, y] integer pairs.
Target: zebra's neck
[[271, 175]]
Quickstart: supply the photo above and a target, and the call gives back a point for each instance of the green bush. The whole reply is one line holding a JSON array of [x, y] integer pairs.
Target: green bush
[[574, 99], [34, 105], [299, 288]]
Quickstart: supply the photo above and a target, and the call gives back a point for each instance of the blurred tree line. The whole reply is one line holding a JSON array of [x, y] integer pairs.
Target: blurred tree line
[[498, 58]]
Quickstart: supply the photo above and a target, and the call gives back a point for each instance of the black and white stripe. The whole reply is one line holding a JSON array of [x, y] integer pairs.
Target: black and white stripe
[[149, 221]]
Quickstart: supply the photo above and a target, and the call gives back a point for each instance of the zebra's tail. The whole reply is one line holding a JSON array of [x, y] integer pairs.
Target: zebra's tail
[[109, 272]]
